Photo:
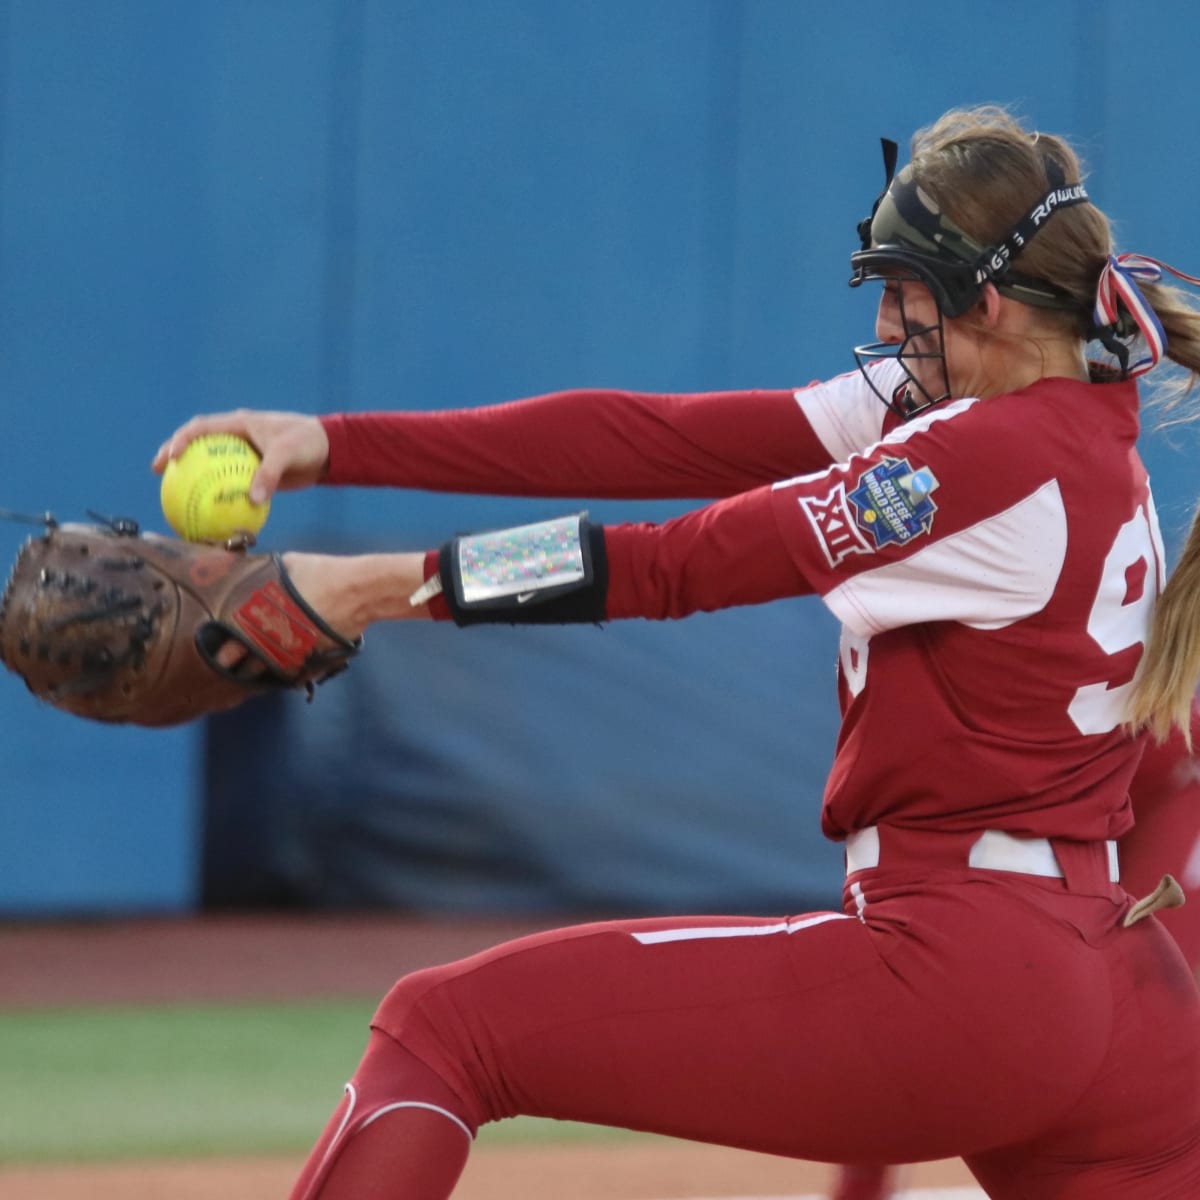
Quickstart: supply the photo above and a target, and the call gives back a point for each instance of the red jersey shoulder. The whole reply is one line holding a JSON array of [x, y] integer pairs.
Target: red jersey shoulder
[[934, 475], [973, 489]]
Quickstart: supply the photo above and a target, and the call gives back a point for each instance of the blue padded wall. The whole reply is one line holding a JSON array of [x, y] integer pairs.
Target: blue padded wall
[[336, 204]]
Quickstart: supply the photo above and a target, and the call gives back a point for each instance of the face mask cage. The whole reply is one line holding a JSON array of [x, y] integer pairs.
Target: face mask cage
[[920, 344], [908, 237]]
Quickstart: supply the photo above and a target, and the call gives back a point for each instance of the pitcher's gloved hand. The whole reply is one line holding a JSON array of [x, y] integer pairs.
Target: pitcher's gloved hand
[[115, 625]]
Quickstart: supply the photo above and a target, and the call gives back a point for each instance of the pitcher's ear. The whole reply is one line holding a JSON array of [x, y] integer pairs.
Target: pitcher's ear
[[987, 307]]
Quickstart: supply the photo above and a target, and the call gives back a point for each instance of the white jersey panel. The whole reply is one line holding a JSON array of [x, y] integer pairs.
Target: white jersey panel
[[987, 576], [843, 437], [844, 413]]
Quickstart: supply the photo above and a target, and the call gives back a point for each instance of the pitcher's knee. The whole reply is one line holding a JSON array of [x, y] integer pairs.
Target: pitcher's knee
[[396, 1114], [419, 1013]]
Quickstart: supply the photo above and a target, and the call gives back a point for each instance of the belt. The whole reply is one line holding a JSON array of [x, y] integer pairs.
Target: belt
[[992, 850]]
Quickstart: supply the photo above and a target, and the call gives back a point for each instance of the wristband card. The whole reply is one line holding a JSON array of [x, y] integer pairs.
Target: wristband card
[[525, 564]]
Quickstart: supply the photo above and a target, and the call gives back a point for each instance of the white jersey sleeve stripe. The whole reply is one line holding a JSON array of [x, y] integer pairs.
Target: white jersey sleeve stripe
[[945, 411], [987, 576], [844, 413]]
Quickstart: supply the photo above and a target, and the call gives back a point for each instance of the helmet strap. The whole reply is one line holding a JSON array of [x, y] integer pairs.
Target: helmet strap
[[995, 260]]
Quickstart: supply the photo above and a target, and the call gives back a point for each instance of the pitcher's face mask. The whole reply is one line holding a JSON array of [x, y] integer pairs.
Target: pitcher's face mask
[[908, 239], [912, 332]]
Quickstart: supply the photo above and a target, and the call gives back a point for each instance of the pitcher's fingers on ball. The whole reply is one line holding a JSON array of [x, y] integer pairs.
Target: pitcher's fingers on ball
[[281, 454], [235, 422], [294, 449]]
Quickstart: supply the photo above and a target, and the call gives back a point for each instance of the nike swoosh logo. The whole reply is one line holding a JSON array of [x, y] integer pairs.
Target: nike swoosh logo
[[525, 597]]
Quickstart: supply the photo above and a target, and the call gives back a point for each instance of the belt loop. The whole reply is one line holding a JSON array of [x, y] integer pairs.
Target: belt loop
[[1089, 868]]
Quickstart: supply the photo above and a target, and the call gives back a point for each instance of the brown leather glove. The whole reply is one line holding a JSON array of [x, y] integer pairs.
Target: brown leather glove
[[114, 625]]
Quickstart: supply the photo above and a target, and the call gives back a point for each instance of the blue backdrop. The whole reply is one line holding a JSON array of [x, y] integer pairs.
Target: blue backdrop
[[351, 205]]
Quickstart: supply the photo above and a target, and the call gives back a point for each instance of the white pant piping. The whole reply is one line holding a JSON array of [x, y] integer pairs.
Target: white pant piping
[[418, 1104]]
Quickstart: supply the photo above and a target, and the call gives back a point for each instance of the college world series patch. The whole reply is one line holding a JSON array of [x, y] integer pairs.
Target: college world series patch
[[893, 503]]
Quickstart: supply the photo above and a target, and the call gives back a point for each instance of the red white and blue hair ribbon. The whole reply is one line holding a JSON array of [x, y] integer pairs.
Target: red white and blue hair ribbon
[[1118, 290]]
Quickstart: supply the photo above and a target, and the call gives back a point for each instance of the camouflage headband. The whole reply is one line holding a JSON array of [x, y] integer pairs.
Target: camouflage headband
[[907, 228], [909, 216]]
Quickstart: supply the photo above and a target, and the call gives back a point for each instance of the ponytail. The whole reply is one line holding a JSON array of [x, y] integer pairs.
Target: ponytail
[[1170, 670], [1180, 320]]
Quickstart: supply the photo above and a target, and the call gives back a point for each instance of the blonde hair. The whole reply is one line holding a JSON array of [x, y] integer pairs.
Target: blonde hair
[[986, 171]]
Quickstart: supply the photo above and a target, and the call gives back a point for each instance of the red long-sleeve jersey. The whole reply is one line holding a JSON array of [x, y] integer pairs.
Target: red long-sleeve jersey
[[599, 444], [994, 563]]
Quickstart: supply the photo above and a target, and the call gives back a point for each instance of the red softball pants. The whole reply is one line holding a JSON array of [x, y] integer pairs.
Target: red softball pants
[[948, 1011]]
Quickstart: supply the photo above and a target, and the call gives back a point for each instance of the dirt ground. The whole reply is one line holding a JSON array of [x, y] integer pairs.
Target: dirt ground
[[235, 958]]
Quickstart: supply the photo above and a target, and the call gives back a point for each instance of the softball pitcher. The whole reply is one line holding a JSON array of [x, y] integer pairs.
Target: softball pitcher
[[972, 507]]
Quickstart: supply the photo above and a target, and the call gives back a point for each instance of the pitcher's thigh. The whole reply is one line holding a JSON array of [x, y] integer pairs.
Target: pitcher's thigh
[[790, 1036], [1133, 1132]]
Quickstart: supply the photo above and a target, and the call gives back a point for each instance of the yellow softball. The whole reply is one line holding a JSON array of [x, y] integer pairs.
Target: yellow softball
[[205, 490]]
